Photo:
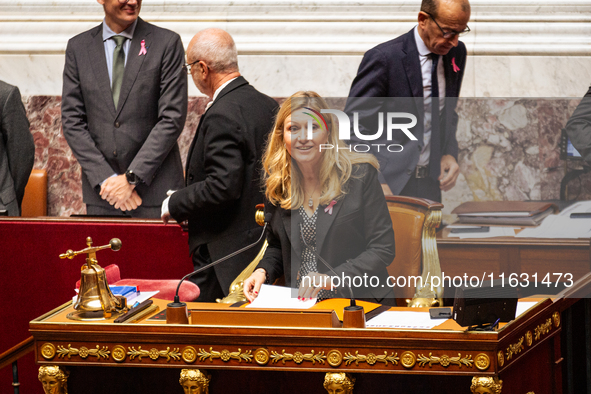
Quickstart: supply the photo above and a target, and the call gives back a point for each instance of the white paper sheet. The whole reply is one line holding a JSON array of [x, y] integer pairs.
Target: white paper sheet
[[578, 207], [399, 319], [494, 231], [523, 306], [279, 297], [559, 226]]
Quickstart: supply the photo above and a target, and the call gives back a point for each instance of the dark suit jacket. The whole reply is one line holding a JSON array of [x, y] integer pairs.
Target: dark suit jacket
[[17, 149], [578, 127], [223, 176], [141, 134], [393, 69], [357, 239]]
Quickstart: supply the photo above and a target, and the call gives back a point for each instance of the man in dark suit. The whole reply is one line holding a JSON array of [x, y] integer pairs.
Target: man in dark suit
[[17, 150], [578, 127], [419, 68], [223, 166], [124, 105]]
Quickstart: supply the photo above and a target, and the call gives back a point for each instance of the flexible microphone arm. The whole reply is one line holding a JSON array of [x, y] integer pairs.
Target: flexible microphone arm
[[326, 264], [213, 264]]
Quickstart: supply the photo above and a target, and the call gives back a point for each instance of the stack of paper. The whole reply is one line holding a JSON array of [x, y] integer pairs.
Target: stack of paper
[[518, 213]]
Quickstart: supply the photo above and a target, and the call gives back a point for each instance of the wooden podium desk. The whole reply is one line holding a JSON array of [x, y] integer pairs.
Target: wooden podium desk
[[511, 255], [148, 356]]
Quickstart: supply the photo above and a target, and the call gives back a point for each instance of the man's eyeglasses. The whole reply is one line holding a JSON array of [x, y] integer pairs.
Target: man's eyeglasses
[[187, 67], [449, 33]]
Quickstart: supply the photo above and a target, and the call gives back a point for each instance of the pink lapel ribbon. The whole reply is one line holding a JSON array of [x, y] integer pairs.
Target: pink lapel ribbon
[[329, 207], [455, 66], [143, 50]]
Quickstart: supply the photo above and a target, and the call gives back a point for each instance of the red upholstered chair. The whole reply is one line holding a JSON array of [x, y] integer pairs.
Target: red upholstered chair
[[189, 291]]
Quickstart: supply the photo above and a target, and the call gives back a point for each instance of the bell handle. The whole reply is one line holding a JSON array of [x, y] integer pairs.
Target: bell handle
[[114, 244]]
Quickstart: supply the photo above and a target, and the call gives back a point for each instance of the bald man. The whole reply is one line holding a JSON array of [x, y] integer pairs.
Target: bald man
[[223, 165], [426, 63]]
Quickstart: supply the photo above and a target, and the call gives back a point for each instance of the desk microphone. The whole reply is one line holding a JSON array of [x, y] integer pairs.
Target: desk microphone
[[176, 311], [354, 315]]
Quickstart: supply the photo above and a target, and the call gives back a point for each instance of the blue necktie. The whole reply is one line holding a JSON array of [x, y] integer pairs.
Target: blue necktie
[[435, 156]]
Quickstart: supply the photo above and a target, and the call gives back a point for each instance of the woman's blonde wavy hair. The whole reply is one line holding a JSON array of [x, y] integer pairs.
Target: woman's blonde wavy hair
[[283, 187]]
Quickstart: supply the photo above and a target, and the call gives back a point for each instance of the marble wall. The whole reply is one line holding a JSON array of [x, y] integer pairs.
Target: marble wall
[[509, 150]]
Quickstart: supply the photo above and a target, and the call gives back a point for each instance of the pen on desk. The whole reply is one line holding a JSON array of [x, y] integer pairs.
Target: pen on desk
[[580, 215], [133, 311]]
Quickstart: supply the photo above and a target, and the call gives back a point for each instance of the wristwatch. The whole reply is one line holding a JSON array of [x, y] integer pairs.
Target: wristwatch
[[132, 178]]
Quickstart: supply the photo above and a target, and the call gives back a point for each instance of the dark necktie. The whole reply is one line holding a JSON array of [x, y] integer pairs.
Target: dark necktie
[[435, 155], [118, 68]]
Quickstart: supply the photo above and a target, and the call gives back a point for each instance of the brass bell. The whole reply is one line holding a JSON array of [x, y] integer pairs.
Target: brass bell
[[95, 300]]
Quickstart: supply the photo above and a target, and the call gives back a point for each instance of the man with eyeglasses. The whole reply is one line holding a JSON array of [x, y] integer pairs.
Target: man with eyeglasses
[[223, 170], [425, 65], [124, 105]]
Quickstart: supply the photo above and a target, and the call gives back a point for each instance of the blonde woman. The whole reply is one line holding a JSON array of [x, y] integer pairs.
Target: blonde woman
[[326, 203]]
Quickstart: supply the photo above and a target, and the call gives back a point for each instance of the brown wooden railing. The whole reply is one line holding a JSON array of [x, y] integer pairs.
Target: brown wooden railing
[[12, 355]]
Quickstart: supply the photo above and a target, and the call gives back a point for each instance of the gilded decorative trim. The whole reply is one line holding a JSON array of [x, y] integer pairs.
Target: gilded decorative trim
[[482, 361], [445, 360], [154, 353], [430, 260], [529, 338], [119, 353], [371, 358], [408, 359], [334, 358], [261, 356], [189, 354], [225, 355], [543, 329], [83, 352], [48, 351], [556, 319], [298, 357], [501, 358], [515, 348]]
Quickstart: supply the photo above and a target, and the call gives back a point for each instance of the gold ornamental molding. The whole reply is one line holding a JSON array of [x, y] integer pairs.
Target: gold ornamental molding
[[529, 338], [189, 354], [334, 358], [556, 319], [119, 353], [515, 348], [225, 355], [154, 354], [48, 351], [261, 356], [501, 358], [298, 357], [371, 358], [83, 352], [543, 329], [445, 360], [408, 359], [482, 361]]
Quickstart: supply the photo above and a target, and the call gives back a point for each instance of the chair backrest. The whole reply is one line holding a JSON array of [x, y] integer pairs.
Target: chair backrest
[[415, 221], [35, 199]]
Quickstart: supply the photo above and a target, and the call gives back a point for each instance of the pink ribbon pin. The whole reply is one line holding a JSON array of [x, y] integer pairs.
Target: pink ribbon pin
[[455, 66], [329, 207], [143, 50]]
